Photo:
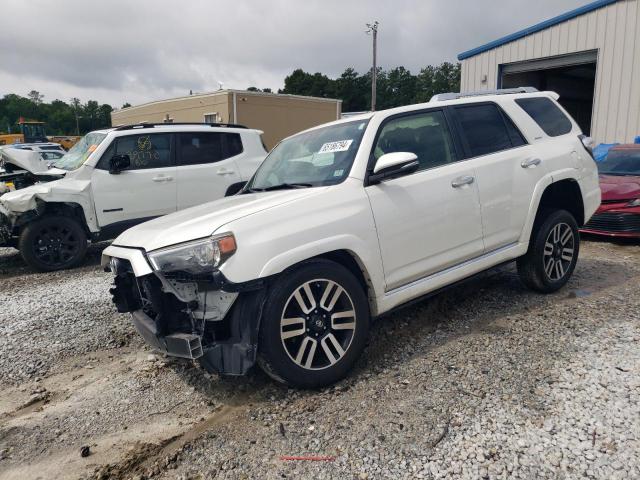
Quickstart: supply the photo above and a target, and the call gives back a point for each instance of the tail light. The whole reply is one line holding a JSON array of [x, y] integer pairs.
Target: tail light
[[588, 143]]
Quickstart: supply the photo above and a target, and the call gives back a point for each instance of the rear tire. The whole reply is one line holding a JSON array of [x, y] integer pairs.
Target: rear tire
[[553, 252], [53, 243], [314, 326]]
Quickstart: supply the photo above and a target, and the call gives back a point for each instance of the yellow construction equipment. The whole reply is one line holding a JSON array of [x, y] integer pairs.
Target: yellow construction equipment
[[32, 131]]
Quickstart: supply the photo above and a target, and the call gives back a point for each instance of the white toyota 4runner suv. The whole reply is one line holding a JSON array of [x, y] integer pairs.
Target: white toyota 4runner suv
[[113, 179], [344, 222]]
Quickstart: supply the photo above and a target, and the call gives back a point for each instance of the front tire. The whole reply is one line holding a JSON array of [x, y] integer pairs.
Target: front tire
[[314, 326], [553, 252], [53, 243]]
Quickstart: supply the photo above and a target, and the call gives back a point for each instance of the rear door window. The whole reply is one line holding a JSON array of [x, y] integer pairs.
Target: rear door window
[[207, 147], [546, 114], [485, 129]]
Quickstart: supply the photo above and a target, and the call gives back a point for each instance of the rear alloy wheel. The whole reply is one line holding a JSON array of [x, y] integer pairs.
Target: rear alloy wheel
[[558, 252], [315, 325], [53, 243], [553, 252]]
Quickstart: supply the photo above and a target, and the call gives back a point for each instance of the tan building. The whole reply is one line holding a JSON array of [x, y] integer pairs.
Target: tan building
[[590, 56], [277, 115]]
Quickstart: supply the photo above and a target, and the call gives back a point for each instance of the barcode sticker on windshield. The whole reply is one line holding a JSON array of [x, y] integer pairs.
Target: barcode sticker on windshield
[[339, 146]]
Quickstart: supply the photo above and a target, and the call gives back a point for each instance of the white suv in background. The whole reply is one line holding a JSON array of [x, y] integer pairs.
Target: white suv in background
[[116, 178], [346, 221]]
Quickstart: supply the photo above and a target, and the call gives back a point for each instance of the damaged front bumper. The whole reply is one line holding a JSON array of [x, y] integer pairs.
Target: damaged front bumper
[[210, 320]]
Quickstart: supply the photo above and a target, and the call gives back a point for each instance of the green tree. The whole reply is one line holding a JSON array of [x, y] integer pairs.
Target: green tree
[[350, 88], [303, 83], [104, 115], [395, 87], [398, 88], [35, 97]]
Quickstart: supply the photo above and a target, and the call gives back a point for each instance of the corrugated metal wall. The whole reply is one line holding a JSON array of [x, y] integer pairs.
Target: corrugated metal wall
[[613, 31]]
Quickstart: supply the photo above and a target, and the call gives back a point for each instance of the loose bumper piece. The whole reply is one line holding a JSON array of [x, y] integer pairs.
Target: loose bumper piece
[[182, 345]]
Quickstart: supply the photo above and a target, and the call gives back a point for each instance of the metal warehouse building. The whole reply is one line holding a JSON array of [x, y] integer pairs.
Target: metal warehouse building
[[590, 56], [277, 115]]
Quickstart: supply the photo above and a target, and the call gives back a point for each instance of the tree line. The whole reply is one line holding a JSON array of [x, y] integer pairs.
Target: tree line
[[395, 87], [61, 118]]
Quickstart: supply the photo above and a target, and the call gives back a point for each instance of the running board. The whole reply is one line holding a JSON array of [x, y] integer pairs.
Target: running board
[[422, 286]]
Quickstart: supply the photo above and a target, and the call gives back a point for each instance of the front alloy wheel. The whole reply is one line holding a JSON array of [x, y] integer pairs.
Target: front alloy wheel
[[314, 326], [317, 324]]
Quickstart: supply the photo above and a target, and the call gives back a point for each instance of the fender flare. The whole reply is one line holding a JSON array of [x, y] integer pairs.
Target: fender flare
[[371, 269], [544, 183]]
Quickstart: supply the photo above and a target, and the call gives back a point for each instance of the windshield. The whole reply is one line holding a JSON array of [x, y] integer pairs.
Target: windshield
[[621, 162], [317, 158], [80, 151]]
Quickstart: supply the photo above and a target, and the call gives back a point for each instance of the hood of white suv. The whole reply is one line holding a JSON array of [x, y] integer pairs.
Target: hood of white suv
[[203, 220]]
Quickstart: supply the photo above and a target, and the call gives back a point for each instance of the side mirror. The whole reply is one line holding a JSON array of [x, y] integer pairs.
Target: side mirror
[[392, 165], [119, 163]]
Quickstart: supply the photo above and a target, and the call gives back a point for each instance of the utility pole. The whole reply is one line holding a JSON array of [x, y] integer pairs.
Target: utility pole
[[373, 30]]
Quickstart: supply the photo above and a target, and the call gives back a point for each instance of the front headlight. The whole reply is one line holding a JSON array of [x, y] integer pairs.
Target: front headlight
[[197, 257], [634, 203]]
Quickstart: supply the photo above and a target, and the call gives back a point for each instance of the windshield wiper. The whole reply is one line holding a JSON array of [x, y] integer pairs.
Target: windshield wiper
[[280, 186]]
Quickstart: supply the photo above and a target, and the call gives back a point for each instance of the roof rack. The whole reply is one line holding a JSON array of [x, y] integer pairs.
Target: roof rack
[[164, 124], [440, 97]]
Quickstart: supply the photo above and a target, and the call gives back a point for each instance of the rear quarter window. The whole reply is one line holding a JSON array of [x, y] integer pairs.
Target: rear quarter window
[[485, 129], [546, 114]]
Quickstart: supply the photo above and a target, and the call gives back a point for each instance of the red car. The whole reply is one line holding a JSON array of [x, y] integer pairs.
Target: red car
[[619, 213]]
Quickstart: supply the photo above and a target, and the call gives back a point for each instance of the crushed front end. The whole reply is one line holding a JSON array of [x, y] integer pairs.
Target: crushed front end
[[199, 317]]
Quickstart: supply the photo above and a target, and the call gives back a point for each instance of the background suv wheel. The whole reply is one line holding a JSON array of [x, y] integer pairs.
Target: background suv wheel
[[553, 252], [53, 243], [315, 325]]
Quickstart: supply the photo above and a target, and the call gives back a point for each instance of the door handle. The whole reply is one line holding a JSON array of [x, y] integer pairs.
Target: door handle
[[530, 162], [224, 171], [162, 178], [462, 181]]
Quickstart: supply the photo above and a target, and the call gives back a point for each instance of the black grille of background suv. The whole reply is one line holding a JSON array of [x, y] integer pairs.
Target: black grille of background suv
[[615, 222]]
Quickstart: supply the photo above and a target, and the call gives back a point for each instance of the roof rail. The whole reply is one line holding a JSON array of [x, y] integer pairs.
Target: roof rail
[[440, 97], [164, 124]]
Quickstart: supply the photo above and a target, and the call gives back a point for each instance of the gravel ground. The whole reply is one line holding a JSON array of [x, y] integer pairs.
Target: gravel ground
[[40, 312], [486, 380]]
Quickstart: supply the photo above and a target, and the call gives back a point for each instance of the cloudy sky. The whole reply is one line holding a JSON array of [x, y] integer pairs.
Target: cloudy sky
[[134, 51]]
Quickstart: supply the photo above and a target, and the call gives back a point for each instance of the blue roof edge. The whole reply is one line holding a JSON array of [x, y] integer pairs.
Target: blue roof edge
[[536, 28]]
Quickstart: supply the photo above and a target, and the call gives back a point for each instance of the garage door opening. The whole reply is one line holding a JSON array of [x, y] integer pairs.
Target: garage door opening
[[571, 77]]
